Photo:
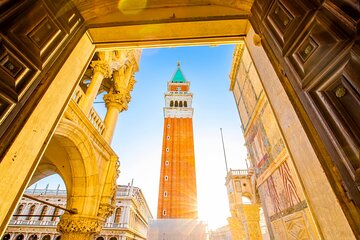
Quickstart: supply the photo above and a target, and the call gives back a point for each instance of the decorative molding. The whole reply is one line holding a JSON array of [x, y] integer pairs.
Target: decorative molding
[[282, 157], [298, 207], [103, 67], [238, 52], [118, 100], [178, 112], [87, 225]]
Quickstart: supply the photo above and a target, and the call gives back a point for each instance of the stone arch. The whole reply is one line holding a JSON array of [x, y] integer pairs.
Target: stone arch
[[71, 155]]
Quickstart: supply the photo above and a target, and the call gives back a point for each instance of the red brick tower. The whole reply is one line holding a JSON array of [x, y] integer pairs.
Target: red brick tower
[[177, 190]]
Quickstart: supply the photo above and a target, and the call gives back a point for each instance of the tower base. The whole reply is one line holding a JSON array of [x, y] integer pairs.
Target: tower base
[[177, 229]]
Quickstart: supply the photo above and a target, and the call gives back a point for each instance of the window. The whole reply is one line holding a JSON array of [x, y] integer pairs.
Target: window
[[168, 126], [164, 212], [55, 213], [166, 178], [165, 194], [117, 215], [31, 212], [43, 212], [180, 104], [18, 211], [171, 103], [46, 237], [33, 237], [168, 137], [6, 237], [167, 150], [185, 103], [176, 103], [20, 237], [166, 163]]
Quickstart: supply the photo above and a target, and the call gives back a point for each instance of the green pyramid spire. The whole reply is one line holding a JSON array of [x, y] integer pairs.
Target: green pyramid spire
[[178, 76]]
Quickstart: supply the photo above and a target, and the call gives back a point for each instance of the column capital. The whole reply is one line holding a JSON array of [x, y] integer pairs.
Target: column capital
[[79, 224], [103, 67], [118, 100], [105, 210]]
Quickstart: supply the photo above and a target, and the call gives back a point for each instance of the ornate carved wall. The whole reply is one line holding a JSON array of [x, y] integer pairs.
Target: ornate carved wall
[[283, 199]]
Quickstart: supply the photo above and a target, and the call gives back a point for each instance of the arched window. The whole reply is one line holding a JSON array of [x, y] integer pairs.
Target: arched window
[[33, 237], [171, 103], [31, 212], [6, 236], [58, 238], [18, 211], [43, 212], [46, 237], [113, 238], [180, 104], [99, 238], [185, 103], [55, 213], [176, 104], [19, 237], [117, 215]]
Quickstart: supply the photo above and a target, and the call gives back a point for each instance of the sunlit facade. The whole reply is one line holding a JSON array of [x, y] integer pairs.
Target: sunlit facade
[[37, 221]]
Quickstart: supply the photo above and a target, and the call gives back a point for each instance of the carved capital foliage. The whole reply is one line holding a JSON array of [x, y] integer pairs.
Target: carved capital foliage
[[103, 67], [118, 100], [77, 224], [131, 84], [105, 210]]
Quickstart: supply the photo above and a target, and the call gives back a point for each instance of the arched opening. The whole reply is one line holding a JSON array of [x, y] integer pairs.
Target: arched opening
[[31, 212], [113, 238], [99, 238], [246, 200], [176, 104], [18, 211], [185, 103], [43, 212], [6, 237], [33, 237], [50, 188], [19, 237], [171, 103], [117, 215], [46, 237], [58, 238], [180, 104]]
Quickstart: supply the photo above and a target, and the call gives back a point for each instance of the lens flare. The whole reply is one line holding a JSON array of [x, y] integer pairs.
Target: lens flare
[[131, 6]]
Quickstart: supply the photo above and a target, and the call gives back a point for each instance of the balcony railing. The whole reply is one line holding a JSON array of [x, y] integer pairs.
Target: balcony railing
[[239, 172], [33, 222], [116, 225], [93, 116], [96, 121]]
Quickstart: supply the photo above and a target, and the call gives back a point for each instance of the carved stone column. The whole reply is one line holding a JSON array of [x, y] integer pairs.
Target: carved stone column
[[101, 70], [79, 227], [252, 216], [117, 101]]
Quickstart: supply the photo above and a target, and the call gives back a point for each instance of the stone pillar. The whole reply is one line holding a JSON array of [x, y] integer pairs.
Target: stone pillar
[[75, 227], [117, 101], [252, 215], [101, 70]]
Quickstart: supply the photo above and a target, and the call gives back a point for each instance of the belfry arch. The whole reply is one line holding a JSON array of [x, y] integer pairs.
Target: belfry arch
[[28, 122]]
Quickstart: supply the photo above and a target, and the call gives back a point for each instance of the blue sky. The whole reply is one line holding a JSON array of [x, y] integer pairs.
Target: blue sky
[[138, 136]]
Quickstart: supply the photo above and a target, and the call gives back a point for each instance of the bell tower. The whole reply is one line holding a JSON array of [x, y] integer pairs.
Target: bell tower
[[177, 189]]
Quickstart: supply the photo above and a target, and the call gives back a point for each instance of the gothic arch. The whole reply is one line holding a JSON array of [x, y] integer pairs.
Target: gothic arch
[[71, 155]]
